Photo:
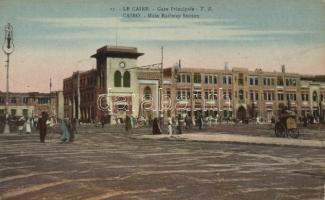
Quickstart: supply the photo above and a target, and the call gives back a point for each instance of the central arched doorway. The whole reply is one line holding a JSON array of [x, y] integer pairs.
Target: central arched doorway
[[241, 113]]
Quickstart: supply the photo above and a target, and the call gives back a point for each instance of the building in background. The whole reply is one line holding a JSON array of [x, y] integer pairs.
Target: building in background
[[29, 104], [236, 93]]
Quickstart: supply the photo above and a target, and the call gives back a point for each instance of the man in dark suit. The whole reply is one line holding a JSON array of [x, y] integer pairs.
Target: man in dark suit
[[42, 126]]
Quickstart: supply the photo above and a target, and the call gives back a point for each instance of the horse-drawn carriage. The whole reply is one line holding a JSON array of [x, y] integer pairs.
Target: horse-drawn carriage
[[287, 125]]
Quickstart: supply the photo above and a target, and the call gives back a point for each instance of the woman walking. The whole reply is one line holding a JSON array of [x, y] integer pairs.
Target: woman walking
[[28, 126], [65, 132]]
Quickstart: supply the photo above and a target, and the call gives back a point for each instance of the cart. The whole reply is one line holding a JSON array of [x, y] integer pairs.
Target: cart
[[287, 126]]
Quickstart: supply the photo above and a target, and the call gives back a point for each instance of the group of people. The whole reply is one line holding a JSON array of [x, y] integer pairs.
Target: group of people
[[66, 127]]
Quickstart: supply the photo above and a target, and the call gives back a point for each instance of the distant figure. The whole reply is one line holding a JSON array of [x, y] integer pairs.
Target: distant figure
[[28, 126], [170, 126], [36, 122], [127, 123], [155, 127], [73, 129], [200, 122], [21, 124], [305, 121], [179, 126], [65, 131], [188, 122], [42, 126], [103, 121]]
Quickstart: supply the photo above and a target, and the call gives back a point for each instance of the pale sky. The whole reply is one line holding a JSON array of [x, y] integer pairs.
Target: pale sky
[[55, 38]]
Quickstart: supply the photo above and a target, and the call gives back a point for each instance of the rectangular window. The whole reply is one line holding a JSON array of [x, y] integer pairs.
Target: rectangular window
[[13, 112], [188, 78], [251, 81], [251, 96], [25, 100], [256, 96], [197, 78], [13, 100], [256, 81], [25, 112], [215, 80], [206, 95], [225, 95], [229, 80], [264, 81], [224, 80], [206, 79], [210, 79], [280, 81]]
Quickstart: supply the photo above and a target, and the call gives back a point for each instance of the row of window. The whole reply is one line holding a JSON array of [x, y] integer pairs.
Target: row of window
[[119, 79], [227, 80], [253, 95], [87, 81], [207, 79], [87, 97], [13, 112], [26, 100]]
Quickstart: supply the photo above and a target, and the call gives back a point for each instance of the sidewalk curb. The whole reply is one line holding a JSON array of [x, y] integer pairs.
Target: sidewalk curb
[[179, 138]]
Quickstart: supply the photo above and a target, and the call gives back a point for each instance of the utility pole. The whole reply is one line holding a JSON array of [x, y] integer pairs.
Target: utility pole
[[160, 111], [8, 47], [51, 110]]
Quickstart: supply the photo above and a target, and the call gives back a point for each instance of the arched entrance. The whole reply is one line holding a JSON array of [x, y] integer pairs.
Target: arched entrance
[[241, 114]]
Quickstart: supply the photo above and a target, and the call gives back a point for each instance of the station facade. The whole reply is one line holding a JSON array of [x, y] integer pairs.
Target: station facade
[[119, 87]]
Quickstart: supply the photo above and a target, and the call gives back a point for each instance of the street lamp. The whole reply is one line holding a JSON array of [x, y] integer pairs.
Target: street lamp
[[220, 90], [8, 47]]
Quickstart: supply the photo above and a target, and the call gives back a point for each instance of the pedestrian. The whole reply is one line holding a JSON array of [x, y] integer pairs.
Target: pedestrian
[[41, 124], [103, 121], [65, 131], [200, 122], [73, 129], [127, 123], [28, 126], [179, 126], [36, 122], [155, 127], [21, 123], [170, 126]]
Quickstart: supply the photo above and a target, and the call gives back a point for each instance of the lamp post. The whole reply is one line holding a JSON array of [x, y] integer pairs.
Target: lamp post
[[220, 90], [8, 47]]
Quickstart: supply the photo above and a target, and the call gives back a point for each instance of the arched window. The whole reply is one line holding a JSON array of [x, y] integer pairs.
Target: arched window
[[241, 95], [126, 79], [147, 92], [117, 79], [315, 98]]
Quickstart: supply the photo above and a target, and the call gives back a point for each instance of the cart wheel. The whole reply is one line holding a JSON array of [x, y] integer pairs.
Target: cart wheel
[[279, 130], [294, 133]]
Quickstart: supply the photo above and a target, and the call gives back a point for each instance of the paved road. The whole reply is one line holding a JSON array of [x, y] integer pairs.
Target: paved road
[[113, 166]]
